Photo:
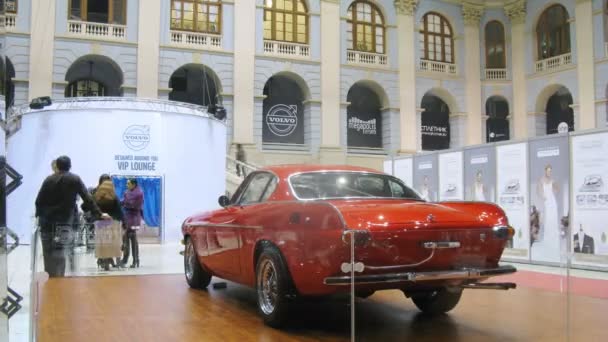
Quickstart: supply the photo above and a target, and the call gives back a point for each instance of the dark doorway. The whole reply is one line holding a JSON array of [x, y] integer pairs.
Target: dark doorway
[[196, 84], [283, 118], [7, 88], [559, 112], [435, 125], [98, 11], [364, 120], [497, 124]]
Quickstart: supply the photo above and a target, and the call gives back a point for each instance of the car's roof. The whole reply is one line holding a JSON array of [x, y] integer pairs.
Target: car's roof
[[289, 169]]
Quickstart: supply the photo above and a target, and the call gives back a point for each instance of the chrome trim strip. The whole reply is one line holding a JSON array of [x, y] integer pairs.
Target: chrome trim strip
[[387, 278], [198, 224]]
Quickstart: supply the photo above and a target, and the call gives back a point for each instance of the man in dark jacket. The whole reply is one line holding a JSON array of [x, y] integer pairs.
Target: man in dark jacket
[[55, 209]]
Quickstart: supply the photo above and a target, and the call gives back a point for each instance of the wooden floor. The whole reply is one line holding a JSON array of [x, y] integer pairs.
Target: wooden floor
[[163, 308]]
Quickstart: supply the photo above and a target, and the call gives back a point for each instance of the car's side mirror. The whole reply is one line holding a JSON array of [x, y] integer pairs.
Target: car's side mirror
[[224, 201]]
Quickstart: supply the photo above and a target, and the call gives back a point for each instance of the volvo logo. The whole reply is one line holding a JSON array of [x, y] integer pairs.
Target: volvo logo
[[430, 218], [137, 137], [282, 119]]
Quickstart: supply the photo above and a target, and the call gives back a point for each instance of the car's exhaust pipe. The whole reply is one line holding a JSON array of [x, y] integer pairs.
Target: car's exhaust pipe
[[490, 286]]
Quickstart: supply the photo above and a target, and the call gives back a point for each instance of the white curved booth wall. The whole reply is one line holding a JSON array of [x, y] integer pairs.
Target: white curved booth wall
[[185, 146]]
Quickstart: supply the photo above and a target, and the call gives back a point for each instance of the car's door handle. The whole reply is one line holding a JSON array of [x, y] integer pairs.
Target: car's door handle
[[441, 244]]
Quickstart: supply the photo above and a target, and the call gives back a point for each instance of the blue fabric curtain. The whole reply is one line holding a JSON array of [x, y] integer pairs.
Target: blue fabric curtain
[[152, 189]]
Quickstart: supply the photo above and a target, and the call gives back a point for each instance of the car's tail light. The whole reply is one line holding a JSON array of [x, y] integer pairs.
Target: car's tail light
[[503, 232]]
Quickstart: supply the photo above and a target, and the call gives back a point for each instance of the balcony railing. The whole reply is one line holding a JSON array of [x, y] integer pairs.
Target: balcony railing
[[439, 67], [97, 30], [196, 39], [554, 62], [366, 58], [286, 49], [8, 21], [496, 74]]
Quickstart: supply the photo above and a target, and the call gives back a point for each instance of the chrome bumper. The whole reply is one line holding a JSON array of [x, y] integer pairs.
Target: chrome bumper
[[463, 274]]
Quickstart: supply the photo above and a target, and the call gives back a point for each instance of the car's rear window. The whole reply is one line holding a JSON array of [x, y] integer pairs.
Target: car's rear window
[[341, 184]]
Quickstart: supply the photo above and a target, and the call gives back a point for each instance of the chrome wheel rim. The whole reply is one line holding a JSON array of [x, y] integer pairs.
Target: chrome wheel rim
[[189, 258], [267, 287]]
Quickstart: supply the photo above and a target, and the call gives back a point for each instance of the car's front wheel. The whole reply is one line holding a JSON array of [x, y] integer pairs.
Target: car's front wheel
[[196, 276], [272, 286], [437, 302]]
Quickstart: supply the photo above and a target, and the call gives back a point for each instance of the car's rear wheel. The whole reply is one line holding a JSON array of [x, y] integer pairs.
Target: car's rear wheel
[[437, 302], [272, 286], [196, 276]]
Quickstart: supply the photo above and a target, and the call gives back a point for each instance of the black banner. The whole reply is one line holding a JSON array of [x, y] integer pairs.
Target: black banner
[[497, 130], [364, 121], [283, 119], [435, 128]]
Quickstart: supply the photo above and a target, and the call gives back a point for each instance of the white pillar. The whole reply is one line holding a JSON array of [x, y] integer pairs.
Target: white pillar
[[330, 74], [585, 64], [244, 70], [407, 75], [472, 66], [516, 11], [42, 45], [148, 42]]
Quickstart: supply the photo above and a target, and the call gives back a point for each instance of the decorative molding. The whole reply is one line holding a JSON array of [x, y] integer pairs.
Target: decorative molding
[[471, 13], [516, 11], [337, 2], [406, 7], [194, 49]]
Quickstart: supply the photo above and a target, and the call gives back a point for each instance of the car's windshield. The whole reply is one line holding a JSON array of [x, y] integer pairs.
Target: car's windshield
[[337, 184]]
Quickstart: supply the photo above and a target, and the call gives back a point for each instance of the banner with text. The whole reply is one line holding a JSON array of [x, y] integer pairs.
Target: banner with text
[[480, 174], [450, 176]]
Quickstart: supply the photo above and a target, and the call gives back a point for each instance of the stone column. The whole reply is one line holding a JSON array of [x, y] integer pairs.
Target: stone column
[[406, 42], [472, 68], [330, 82], [148, 42], [516, 12], [585, 64], [42, 45], [244, 70]]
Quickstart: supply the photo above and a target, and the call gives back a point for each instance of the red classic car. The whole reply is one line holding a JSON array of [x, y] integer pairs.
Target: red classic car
[[287, 232]]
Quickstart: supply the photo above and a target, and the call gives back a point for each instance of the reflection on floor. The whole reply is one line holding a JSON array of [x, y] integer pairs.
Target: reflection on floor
[[163, 308], [165, 259]]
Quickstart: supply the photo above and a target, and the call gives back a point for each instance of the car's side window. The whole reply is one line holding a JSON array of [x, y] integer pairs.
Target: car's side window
[[269, 189], [396, 189], [255, 189]]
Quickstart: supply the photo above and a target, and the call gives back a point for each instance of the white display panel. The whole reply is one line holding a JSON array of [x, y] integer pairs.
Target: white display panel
[[450, 176], [426, 179], [512, 189], [187, 150], [589, 225], [388, 167], [549, 167], [480, 174], [404, 171]]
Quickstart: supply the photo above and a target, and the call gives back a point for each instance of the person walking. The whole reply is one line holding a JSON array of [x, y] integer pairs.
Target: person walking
[[132, 202], [55, 209], [107, 201]]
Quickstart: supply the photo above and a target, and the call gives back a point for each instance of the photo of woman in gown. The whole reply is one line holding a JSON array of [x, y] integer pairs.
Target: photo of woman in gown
[[479, 188], [547, 190]]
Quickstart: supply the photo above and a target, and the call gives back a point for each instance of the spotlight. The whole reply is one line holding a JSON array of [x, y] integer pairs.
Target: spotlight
[[220, 113], [40, 102]]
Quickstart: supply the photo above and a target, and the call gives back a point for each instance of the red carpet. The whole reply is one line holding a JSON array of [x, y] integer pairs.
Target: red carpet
[[558, 283]]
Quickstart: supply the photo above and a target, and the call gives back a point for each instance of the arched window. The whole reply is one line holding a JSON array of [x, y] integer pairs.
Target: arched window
[[495, 45], [365, 28], [84, 88], [437, 38], [497, 124], [553, 32], [286, 20], [196, 15]]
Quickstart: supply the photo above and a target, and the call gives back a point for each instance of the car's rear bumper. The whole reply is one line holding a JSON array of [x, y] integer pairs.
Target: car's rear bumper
[[463, 274]]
